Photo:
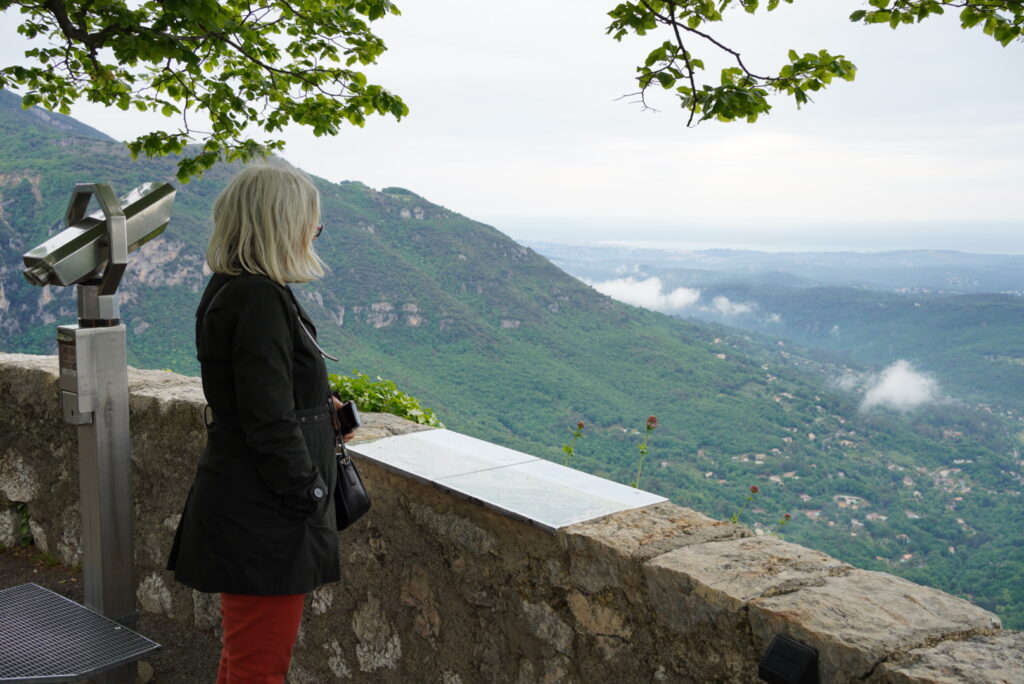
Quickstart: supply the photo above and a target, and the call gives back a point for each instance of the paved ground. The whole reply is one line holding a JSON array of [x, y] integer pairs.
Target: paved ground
[[188, 656]]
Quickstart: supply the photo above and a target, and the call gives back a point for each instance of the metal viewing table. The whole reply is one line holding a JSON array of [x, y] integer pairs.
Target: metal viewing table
[[45, 637]]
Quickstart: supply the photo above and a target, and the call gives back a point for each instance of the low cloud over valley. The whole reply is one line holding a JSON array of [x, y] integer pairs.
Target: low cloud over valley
[[899, 387], [651, 293], [648, 294]]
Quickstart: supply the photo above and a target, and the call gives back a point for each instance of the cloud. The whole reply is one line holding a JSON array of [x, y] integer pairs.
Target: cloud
[[900, 387], [849, 382], [727, 308], [648, 294]]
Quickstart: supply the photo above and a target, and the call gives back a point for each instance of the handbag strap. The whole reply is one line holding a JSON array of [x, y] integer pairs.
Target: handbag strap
[[298, 316], [339, 443]]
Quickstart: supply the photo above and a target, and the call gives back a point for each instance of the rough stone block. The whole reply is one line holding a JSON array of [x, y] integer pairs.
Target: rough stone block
[[69, 547], [166, 387], [697, 587], [379, 425], [544, 622], [18, 479], [993, 659], [153, 594], [607, 552], [859, 620], [454, 530], [10, 522], [380, 646], [205, 609]]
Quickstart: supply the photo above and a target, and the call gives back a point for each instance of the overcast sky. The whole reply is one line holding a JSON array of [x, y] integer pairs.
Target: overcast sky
[[515, 122]]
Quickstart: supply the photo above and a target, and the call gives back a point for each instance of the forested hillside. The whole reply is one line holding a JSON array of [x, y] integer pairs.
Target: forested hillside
[[507, 347]]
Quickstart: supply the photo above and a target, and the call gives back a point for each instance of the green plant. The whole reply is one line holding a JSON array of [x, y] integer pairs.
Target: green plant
[[24, 530], [48, 559], [750, 497], [786, 517], [649, 426], [383, 396], [570, 449], [754, 490]]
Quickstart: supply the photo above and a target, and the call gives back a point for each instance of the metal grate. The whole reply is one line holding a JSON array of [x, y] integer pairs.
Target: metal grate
[[45, 637]]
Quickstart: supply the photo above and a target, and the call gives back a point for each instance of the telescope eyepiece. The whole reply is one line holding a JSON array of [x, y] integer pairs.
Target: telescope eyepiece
[[37, 275]]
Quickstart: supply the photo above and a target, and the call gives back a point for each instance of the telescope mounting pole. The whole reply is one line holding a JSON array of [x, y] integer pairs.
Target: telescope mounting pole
[[94, 396]]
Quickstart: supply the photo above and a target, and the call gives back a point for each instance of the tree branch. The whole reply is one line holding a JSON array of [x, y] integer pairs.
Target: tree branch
[[671, 20], [686, 58]]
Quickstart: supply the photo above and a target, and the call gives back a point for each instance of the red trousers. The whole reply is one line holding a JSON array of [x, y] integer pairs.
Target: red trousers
[[259, 633]]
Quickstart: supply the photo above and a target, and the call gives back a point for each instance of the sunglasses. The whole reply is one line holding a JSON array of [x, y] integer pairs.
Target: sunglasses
[[319, 229]]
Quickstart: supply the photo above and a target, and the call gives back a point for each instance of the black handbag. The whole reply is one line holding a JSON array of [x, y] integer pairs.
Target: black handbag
[[350, 498]]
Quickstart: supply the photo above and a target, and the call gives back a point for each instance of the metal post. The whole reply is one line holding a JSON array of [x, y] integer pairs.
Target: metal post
[[105, 477], [94, 390]]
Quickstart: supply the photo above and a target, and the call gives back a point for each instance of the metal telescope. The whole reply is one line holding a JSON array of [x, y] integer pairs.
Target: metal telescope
[[92, 254], [83, 249]]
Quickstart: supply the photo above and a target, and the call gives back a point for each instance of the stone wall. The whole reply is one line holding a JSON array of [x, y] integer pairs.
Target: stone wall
[[441, 589]]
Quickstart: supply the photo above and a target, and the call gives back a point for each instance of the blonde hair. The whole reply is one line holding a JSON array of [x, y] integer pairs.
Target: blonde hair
[[263, 223]]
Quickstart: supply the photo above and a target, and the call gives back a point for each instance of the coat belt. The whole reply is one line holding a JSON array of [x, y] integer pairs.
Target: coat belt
[[311, 416]]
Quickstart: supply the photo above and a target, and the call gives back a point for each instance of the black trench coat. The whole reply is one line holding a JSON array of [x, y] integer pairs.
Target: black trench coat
[[259, 518]]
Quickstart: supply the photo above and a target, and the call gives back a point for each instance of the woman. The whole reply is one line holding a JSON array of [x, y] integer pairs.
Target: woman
[[259, 524]]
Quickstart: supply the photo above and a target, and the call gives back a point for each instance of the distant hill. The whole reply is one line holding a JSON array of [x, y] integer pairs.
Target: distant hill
[[907, 270], [507, 347], [956, 316], [37, 124]]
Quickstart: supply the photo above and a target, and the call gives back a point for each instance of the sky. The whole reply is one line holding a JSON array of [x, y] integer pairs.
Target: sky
[[516, 121]]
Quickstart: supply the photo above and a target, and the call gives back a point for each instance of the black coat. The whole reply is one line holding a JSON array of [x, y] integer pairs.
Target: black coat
[[259, 518]]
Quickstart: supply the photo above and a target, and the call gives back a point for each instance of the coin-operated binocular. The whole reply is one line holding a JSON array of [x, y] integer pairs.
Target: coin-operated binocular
[[93, 250], [92, 254]]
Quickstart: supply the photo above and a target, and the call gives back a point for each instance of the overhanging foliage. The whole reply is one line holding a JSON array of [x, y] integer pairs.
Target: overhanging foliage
[[741, 92], [250, 68]]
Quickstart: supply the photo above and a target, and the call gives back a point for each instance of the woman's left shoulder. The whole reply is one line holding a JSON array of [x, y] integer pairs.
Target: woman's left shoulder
[[251, 292], [256, 283]]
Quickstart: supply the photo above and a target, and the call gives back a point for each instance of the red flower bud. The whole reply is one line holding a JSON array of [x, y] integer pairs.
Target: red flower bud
[[754, 489], [652, 423], [579, 425], [787, 516]]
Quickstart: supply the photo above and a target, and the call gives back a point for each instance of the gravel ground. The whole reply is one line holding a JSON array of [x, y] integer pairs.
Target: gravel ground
[[187, 656]]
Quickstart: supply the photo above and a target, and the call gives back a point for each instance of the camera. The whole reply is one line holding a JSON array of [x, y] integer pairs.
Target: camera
[[348, 418]]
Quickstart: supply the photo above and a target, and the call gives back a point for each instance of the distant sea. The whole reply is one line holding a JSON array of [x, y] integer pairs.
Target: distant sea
[[773, 248], [676, 246], [981, 238]]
